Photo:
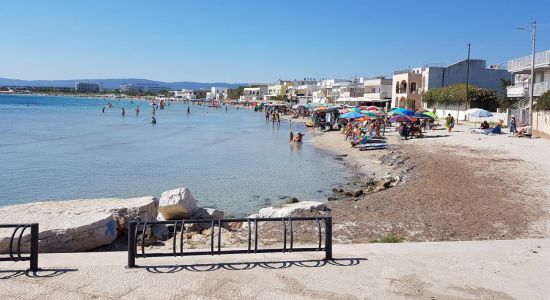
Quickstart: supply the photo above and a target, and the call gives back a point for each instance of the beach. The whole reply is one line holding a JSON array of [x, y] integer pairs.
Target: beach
[[454, 186]]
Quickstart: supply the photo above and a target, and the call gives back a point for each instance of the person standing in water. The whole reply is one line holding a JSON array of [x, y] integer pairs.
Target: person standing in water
[[188, 110], [153, 120], [226, 108], [103, 109], [137, 110], [291, 136], [154, 110], [123, 112]]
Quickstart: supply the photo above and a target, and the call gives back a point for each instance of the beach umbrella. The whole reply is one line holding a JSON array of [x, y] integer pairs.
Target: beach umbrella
[[351, 115], [425, 115], [369, 113], [355, 109], [373, 108], [480, 113], [363, 118], [402, 119], [401, 111], [343, 110]]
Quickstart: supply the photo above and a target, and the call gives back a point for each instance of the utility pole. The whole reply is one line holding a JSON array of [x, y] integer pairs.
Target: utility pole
[[533, 32], [467, 83], [532, 86]]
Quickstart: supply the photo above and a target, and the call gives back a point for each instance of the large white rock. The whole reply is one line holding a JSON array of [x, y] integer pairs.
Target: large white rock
[[76, 225], [177, 204], [288, 209]]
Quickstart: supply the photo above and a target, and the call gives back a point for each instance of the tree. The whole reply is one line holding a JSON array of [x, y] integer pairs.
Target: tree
[[543, 102], [454, 94]]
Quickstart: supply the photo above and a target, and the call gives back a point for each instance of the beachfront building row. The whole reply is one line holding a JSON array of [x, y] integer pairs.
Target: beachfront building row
[[185, 94], [410, 84]]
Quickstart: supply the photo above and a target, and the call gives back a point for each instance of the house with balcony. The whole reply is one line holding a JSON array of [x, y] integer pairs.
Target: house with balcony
[[519, 92], [521, 69], [407, 88], [377, 89]]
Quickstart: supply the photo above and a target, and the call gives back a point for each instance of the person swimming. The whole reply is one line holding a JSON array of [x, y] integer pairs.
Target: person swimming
[[298, 137]]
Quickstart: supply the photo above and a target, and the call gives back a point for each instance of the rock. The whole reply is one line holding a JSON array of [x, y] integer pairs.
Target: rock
[[208, 213], [383, 184], [348, 194], [76, 225], [160, 231], [330, 198], [369, 181], [357, 193], [177, 204], [340, 190], [292, 200], [334, 190], [153, 234], [287, 209], [192, 228]]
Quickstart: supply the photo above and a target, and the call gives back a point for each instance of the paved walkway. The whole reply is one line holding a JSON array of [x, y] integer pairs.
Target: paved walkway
[[457, 270]]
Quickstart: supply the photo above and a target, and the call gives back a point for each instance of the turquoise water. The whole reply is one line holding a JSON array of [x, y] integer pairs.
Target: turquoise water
[[57, 148]]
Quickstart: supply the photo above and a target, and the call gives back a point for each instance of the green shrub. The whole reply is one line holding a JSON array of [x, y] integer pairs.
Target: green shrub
[[389, 239], [543, 102]]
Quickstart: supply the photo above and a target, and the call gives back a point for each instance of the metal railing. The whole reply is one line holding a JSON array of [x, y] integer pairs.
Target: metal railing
[[16, 255], [134, 228], [522, 63]]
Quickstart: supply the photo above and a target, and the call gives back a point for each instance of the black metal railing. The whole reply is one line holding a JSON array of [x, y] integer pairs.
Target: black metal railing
[[18, 234], [288, 245]]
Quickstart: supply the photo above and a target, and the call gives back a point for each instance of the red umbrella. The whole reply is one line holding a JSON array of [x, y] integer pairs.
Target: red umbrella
[[402, 119], [373, 108]]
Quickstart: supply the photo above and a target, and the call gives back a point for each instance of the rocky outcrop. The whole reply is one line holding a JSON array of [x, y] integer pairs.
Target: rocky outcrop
[[76, 225], [288, 209], [208, 213], [177, 204]]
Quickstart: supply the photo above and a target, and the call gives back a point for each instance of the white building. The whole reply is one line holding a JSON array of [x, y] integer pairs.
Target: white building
[[519, 92], [254, 93]]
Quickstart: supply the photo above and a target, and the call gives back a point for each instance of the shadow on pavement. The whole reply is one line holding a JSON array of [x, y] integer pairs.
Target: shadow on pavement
[[41, 273], [240, 266]]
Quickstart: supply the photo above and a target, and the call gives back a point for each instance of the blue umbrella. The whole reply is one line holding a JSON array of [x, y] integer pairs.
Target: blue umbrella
[[351, 115], [402, 111], [480, 113]]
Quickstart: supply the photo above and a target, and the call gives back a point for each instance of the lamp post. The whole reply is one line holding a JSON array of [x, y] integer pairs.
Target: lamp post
[[533, 32]]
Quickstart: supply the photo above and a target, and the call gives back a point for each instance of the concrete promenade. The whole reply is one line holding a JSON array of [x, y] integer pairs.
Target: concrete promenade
[[443, 270]]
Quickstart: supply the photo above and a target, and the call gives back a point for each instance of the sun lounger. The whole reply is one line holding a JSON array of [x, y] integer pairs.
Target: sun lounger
[[376, 146]]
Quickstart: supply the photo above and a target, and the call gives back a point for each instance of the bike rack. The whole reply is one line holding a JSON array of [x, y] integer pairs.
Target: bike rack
[[133, 228], [16, 255]]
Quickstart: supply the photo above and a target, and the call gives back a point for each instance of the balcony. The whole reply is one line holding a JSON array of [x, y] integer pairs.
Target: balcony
[[376, 96], [523, 64], [522, 90]]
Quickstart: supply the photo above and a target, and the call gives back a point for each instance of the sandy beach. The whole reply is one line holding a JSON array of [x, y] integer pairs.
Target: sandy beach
[[455, 186]]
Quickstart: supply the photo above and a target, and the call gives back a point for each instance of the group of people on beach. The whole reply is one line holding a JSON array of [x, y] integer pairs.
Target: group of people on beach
[[274, 116]]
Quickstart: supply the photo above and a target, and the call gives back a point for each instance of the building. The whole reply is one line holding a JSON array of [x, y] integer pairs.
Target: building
[[85, 87], [256, 93], [519, 91], [141, 88], [377, 89], [479, 75], [407, 85]]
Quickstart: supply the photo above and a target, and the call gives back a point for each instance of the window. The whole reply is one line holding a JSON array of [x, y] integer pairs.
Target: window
[[413, 87]]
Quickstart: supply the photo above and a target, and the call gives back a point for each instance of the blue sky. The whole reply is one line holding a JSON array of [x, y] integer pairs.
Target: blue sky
[[256, 41]]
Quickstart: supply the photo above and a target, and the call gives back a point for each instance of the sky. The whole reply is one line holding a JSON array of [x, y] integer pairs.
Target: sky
[[257, 41]]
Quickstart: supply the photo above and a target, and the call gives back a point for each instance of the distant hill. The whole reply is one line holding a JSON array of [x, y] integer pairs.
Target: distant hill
[[115, 83]]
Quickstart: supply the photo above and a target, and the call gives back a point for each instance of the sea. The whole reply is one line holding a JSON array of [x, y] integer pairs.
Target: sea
[[60, 148]]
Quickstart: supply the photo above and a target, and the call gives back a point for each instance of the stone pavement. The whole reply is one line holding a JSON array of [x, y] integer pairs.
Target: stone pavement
[[442, 270]]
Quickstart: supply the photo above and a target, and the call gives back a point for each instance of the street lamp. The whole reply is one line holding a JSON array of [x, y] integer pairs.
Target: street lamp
[[533, 32]]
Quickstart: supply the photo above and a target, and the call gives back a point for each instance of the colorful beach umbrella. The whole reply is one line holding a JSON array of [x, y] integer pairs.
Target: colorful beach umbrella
[[351, 115], [401, 111], [402, 119], [369, 113], [363, 118], [373, 108], [430, 114]]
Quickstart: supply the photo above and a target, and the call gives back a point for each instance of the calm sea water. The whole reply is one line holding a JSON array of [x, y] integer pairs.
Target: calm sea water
[[57, 148]]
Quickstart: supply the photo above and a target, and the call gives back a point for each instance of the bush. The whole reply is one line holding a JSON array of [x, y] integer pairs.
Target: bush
[[389, 239], [543, 102], [477, 98]]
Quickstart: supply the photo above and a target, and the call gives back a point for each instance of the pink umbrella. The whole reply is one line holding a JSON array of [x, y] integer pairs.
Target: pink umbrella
[[373, 108]]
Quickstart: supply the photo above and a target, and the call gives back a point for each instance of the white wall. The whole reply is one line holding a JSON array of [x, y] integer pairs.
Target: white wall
[[542, 121]]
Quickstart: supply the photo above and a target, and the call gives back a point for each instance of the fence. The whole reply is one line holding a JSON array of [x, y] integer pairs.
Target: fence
[[33, 256], [133, 229]]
